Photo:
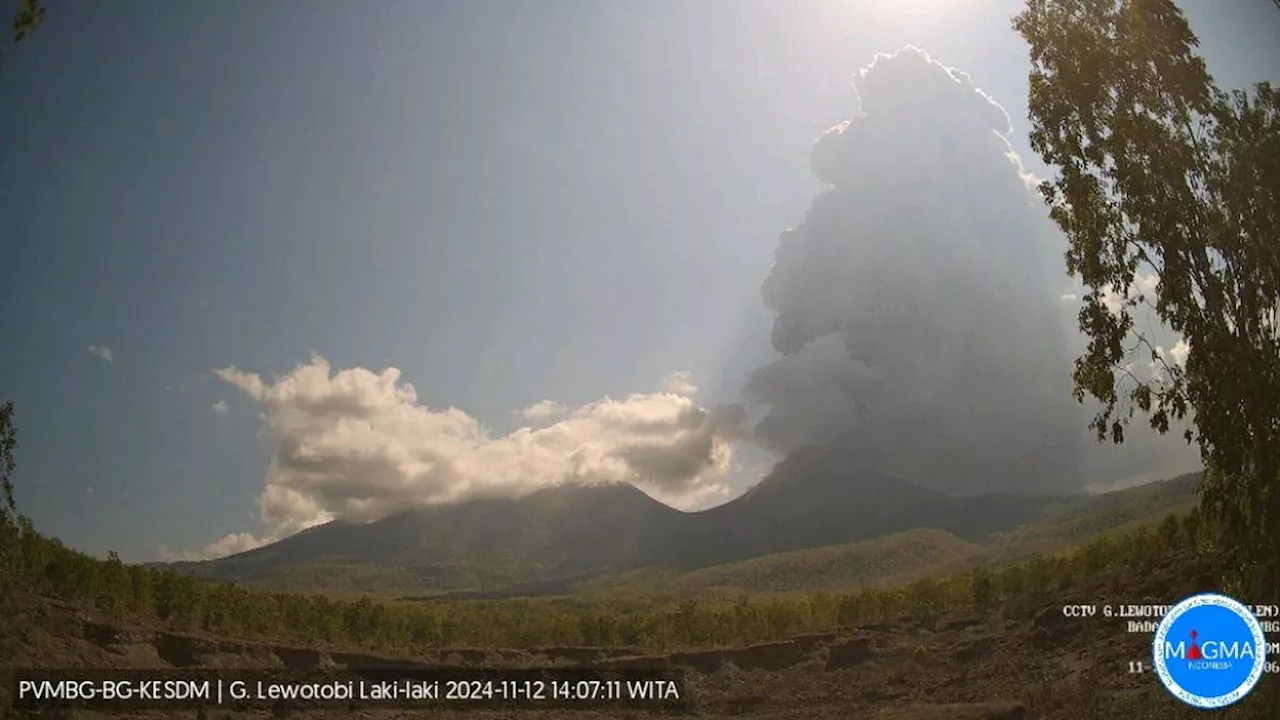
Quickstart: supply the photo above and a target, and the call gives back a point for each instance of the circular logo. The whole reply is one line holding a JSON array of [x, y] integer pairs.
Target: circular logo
[[1209, 651]]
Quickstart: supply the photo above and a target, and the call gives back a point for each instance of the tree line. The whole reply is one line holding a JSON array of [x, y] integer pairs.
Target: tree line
[[36, 565]]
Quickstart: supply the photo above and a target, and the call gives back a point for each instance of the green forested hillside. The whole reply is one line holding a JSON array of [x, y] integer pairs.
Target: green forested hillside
[[41, 566]]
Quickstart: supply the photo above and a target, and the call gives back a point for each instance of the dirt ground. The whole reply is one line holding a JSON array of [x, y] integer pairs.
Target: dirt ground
[[1027, 663]]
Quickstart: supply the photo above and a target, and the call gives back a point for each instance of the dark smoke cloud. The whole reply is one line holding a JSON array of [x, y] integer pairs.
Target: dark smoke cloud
[[917, 308]]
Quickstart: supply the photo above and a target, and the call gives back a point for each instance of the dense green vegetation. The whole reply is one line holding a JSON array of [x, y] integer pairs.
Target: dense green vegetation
[[1159, 172], [28, 18], [44, 566]]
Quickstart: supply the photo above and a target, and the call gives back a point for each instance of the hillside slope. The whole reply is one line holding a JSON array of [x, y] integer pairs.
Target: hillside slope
[[898, 558], [818, 497], [562, 532], [551, 540], [832, 567], [904, 654]]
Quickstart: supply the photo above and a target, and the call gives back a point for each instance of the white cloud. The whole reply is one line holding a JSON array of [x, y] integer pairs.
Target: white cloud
[[1157, 368], [1142, 290], [358, 445], [103, 353], [1176, 355], [230, 544], [221, 408], [250, 383], [543, 411], [679, 383], [168, 554], [1069, 297], [1142, 294]]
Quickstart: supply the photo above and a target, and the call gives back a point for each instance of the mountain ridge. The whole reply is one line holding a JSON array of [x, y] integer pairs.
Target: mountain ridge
[[555, 537]]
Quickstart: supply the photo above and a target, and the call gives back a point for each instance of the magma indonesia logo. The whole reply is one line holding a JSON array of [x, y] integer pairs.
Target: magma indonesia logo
[[1209, 651]]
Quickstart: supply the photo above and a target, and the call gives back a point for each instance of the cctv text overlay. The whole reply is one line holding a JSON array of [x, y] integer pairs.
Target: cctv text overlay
[[416, 688]]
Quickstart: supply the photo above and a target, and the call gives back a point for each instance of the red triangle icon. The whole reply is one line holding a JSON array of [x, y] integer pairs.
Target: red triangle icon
[[1194, 652]]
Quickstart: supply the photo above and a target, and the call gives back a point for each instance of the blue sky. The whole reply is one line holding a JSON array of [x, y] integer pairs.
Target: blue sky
[[507, 201]]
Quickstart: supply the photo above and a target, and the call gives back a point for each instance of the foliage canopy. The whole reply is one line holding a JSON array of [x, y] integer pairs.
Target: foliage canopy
[[27, 19], [1160, 171]]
